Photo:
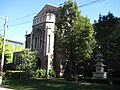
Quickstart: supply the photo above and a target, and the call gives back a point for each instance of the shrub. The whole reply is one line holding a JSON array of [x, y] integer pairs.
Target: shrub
[[35, 74], [114, 76], [87, 73], [92, 80], [8, 66], [29, 61], [52, 73], [40, 73], [17, 74]]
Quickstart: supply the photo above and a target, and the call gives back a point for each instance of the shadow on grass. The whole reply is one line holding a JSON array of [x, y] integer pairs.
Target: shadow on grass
[[55, 84]]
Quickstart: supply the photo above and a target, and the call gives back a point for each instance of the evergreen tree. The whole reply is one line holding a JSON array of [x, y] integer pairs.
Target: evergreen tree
[[107, 36]]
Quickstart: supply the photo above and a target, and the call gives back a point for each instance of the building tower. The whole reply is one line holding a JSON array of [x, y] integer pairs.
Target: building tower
[[41, 38]]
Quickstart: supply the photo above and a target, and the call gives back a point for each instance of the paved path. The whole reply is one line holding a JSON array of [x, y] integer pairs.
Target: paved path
[[1, 88]]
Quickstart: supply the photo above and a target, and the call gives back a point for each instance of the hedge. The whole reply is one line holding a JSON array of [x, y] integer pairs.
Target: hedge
[[16, 74]]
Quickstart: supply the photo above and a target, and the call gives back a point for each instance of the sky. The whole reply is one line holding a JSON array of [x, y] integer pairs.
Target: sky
[[21, 13]]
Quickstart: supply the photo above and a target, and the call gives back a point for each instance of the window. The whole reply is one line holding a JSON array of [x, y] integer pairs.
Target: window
[[49, 45], [40, 19], [35, 42], [38, 42], [34, 21]]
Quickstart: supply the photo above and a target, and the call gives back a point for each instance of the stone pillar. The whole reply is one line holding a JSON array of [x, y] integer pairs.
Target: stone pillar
[[49, 40], [49, 64]]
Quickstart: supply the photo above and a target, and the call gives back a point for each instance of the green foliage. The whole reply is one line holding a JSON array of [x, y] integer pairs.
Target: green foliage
[[52, 73], [9, 50], [8, 66], [17, 74], [74, 36], [18, 48], [28, 61], [107, 36], [41, 73]]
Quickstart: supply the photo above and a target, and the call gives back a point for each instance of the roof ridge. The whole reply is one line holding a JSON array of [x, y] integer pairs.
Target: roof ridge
[[51, 5]]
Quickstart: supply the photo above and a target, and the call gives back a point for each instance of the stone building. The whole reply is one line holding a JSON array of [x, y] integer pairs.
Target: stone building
[[42, 36]]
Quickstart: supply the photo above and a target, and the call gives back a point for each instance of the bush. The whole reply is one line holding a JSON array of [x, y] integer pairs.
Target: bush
[[87, 73], [29, 61], [17, 74], [40, 73], [8, 66], [52, 73], [114, 76], [35, 74], [92, 80]]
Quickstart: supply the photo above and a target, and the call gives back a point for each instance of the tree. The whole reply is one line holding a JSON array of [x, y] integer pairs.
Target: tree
[[74, 36], [8, 55], [9, 50], [107, 36], [28, 63]]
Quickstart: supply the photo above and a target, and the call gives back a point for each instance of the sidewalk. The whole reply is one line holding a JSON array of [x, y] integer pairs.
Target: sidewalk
[[1, 88]]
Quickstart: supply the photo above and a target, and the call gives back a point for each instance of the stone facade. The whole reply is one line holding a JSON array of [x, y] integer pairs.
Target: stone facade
[[42, 37]]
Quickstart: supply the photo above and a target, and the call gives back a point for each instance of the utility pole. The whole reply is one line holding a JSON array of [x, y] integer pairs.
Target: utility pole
[[3, 48]]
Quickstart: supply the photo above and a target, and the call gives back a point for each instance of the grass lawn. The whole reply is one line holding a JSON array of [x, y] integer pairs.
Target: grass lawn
[[55, 84]]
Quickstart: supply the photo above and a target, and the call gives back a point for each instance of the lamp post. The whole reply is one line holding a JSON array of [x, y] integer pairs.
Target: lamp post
[[3, 48]]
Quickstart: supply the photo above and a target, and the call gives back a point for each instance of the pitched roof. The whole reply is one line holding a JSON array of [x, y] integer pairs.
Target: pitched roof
[[47, 6]]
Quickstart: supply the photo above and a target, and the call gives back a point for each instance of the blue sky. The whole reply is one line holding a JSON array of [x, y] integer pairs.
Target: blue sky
[[17, 9]]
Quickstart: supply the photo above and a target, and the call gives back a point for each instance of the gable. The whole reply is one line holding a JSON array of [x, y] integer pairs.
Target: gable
[[46, 9]]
